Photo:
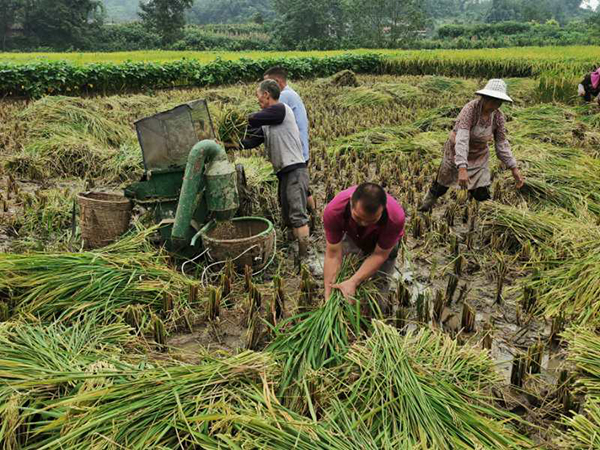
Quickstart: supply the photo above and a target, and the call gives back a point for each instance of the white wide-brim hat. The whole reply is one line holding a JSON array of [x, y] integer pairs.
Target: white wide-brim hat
[[496, 88]]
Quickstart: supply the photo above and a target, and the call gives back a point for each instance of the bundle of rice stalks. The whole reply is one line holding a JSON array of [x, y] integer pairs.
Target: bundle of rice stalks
[[26, 165], [402, 93], [259, 171], [261, 197], [442, 118], [66, 387], [41, 363], [30, 352], [225, 402], [78, 115], [364, 96], [544, 123], [168, 407], [342, 78], [422, 389], [583, 428], [588, 114], [568, 181], [545, 192], [562, 256], [231, 125], [569, 286], [65, 285], [45, 215], [73, 137], [519, 227], [373, 141], [320, 338], [440, 85], [270, 425], [521, 89], [584, 352]]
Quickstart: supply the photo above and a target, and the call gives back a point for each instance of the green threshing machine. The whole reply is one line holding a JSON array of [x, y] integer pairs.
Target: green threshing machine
[[188, 179]]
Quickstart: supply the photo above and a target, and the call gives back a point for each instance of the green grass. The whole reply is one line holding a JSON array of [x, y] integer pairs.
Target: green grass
[[549, 55]]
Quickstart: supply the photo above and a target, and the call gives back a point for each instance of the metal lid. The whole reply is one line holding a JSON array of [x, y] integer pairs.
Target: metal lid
[[166, 138]]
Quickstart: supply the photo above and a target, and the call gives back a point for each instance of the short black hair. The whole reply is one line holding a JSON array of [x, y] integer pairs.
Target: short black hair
[[271, 87], [278, 72], [371, 196]]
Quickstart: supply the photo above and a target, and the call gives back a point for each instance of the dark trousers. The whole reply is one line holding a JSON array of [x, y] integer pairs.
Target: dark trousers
[[481, 194], [590, 92]]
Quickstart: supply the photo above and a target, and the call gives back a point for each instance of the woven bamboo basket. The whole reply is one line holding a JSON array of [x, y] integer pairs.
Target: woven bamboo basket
[[104, 217]]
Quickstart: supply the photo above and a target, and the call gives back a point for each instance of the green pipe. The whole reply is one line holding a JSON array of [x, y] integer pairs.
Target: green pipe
[[203, 152]]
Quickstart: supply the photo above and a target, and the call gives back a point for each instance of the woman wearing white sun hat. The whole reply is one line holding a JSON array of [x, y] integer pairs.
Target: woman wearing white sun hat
[[467, 150]]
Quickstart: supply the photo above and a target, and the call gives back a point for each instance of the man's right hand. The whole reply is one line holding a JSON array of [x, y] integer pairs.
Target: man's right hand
[[348, 289], [463, 178]]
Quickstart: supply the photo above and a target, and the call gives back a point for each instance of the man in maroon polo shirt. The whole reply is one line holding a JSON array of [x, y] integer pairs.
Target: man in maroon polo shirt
[[363, 220]]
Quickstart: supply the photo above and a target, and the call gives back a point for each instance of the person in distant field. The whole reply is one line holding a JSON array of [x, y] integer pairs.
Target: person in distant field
[[292, 99], [467, 150], [367, 221], [275, 126], [590, 86]]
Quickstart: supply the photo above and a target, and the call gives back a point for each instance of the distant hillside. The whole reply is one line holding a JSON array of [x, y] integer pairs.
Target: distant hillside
[[230, 11], [121, 10]]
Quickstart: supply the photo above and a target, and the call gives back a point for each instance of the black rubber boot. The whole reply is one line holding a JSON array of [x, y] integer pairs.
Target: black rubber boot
[[428, 202]]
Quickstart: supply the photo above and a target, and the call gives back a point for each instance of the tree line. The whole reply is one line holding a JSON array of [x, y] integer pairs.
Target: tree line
[[290, 24]]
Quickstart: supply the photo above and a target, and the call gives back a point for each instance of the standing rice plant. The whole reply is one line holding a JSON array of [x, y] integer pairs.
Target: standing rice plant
[[424, 388], [557, 85], [65, 285]]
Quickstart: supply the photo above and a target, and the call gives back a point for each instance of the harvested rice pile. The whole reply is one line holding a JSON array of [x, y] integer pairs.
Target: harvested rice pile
[[474, 354]]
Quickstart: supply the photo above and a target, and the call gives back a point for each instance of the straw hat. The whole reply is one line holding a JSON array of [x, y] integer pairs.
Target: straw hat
[[497, 89]]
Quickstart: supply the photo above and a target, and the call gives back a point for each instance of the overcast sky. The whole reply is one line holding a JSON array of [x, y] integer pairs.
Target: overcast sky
[[594, 3]]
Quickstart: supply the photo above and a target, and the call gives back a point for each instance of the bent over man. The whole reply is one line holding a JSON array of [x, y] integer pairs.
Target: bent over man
[[367, 221]]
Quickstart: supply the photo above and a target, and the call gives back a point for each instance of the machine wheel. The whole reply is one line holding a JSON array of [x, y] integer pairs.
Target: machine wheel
[[245, 208]]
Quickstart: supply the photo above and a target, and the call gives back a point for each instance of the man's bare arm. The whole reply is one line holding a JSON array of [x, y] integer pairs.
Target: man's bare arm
[[369, 267], [333, 263]]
